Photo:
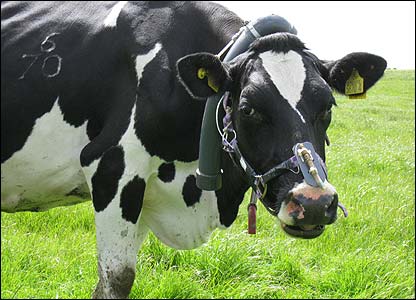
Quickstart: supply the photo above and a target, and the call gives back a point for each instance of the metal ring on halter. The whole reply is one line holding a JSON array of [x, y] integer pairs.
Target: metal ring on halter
[[216, 118], [295, 172], [257, 181], [216, 115]]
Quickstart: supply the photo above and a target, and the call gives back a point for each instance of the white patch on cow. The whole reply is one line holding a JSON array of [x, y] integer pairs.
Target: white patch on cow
[[166, 214], [304, 188], [47, 167], [89, 171], [284, 216], [143, 60], [118, 242], [137, 160], [111, 19], [287, 73]]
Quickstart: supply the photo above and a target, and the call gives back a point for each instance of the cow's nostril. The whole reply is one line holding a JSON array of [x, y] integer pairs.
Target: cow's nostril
[[331, 211]]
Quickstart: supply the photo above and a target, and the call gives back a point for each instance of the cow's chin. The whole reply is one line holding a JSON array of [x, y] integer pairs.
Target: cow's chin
[[305, 232]]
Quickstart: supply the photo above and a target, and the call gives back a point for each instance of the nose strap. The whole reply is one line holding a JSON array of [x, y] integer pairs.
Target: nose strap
[[310, 164], [280, 169], [305, 158]]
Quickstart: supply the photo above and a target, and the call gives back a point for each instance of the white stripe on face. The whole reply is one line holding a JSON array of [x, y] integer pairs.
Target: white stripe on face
[[287, 73]]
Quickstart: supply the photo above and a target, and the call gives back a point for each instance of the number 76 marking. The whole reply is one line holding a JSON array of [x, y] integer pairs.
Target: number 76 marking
[[47, 46]]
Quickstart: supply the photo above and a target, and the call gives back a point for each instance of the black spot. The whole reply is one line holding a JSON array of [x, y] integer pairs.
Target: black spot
[[105, 180], [191, 193], [94, 128], [131, 200], [166, 172]]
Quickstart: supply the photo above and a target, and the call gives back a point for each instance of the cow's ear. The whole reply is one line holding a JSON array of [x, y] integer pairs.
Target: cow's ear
[[343, 74], [202, 74]]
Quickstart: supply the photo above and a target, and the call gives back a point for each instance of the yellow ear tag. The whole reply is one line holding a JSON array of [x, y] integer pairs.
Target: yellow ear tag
[[202, 73], [354, 87]]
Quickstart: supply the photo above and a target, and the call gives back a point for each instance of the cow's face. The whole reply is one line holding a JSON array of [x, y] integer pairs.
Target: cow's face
[[281, 95]]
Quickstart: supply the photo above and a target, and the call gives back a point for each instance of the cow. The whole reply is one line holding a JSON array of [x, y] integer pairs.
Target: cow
[[102, 101]]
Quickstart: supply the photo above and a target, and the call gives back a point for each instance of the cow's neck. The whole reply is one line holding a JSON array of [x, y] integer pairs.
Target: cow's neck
[[222, 25], [231, 194], [178, 116]]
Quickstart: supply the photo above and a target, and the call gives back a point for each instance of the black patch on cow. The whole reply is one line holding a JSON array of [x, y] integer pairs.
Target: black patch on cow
[[94, 128], [168, 121], [231, 194], [190, 192], [278, 42], [105, 134], [166, 172], [131, 199], [105, 180]]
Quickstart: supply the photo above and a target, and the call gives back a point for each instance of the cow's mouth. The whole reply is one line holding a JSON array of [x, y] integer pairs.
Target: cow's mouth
[[303, 231]]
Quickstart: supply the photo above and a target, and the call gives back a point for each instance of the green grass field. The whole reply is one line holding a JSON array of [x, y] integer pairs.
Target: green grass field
[[369, 254]]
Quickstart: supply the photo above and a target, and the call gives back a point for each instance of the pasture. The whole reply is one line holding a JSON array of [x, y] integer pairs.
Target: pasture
[[369, 254]]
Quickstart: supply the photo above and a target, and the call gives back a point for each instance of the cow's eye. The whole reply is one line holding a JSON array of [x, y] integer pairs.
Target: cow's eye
[[247, 110]]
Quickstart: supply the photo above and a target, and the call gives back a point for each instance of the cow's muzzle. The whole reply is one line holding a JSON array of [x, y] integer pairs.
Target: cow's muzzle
[[306, 210], [309, 206]]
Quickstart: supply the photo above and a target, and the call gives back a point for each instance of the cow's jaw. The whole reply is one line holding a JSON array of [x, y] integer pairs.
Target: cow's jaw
[[303, 231]]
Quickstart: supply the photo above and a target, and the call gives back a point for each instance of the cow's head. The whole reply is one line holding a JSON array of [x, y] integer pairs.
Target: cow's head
[[281, 95]]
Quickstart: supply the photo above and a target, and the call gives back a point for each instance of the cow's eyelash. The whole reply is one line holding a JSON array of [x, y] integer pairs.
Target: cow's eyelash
[[249, 111]]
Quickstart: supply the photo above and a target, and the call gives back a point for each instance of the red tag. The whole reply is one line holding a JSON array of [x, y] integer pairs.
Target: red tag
[[252, 209]]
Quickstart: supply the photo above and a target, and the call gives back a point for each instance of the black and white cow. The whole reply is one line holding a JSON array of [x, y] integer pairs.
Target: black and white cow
[[94, 101]]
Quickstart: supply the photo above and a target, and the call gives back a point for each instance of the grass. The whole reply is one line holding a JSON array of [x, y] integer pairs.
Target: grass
[[369, 254]]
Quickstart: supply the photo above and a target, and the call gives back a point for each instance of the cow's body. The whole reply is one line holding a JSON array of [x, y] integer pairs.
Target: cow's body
[[54, 129], [90, 102], [63, 117]]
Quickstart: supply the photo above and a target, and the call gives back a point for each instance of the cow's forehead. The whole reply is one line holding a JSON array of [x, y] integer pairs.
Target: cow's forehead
[[287, 73]]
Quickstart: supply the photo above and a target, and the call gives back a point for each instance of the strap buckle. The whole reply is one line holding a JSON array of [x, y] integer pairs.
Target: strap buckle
[[260, 188]]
